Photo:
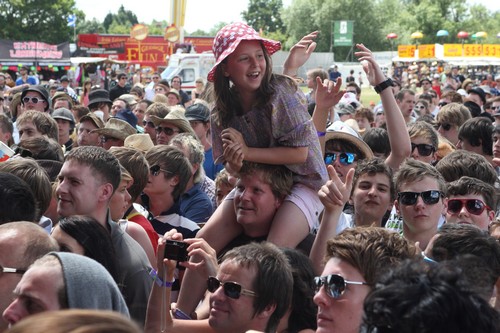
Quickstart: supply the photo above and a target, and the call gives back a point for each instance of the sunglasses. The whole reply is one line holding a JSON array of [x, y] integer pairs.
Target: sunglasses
[[159, 89], [419, 107], [156, 169], [423, 149], [334, 284], [344, 158], [23, 152], [167, 130], [473, 206], [11, 270], [494, 108], [156, 77], [34, 100], [429, 197], [441, 104], [231, 289], [105, 139], [445, 126], [148, 124]]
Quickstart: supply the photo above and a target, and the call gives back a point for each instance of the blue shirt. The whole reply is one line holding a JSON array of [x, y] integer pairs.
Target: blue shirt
[[211, 169], [196, 205]]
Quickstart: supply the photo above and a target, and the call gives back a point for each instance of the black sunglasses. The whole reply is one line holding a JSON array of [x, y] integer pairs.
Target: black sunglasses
[[441, 104], [444, 126], [23, 152], [423, 149], [334, 284], [167, 130], [429, 197], [156, 169], [231, 289], [344, 158], [148, 124], [473, 206]]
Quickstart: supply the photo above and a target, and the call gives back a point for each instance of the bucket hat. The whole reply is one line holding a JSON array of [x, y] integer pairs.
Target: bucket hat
[[116, 128], [175, 117], [41, 90], [341, 131], [140, 142], [99, 96], [228, 39]]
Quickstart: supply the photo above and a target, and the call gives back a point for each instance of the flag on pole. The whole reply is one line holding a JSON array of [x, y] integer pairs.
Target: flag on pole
[[71, 20]]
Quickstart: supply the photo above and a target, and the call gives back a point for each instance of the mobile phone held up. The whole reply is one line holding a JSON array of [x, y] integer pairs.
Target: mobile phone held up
[[176, 250]]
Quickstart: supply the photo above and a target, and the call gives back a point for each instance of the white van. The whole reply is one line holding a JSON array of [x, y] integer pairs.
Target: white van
[[189, 67]]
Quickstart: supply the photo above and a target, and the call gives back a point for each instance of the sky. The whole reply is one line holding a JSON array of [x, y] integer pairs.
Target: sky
[[200, 14]]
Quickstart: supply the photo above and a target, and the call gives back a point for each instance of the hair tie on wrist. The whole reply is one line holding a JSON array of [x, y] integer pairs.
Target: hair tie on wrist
[[320, 134]]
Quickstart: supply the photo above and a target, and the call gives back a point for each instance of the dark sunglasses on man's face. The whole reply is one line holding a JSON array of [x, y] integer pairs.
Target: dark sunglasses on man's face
[[344, 158], [231, 289], [334, 284], [410, 198], [167, 130], [473, 206], [423, 149], [156, 169], [148, 124]]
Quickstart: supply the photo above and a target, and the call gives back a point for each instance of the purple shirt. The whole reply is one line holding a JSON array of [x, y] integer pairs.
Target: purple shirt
[[286, 123]]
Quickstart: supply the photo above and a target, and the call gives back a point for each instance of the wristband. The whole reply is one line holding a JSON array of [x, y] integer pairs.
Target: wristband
[[159, 281], [179, 314], [383, 85], [320, 134]]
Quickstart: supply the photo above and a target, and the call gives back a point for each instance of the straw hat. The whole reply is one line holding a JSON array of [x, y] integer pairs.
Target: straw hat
[[228, 39], [340, 131], [116, 128], [175, 117], [141, 142]]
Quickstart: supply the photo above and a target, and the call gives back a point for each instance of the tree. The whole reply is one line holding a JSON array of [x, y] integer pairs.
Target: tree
[[121, 21], [265, 15], [89, 27], [40, 20]]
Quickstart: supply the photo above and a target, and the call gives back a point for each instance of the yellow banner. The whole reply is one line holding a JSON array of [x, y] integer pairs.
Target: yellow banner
[[426, 51], [406, 51], [473, 50], [491, 50], [453, 50]]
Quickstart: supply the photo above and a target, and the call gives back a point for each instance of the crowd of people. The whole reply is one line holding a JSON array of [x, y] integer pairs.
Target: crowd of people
[[249, 205]]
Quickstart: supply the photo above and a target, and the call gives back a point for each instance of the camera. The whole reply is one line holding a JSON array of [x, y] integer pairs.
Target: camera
[[176, 250]]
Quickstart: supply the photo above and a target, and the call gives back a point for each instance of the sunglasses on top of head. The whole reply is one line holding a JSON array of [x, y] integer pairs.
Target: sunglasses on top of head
[[344, 158], [423, 149], [473, 206], [429, 197], [334, 284], [231, 289]]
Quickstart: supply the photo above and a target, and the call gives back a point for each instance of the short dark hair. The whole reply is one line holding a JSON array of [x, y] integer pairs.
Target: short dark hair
[[401, 94], [43, 148], [478, 132], [100, 160], [273, 282], [378, 140], [465, 163], [172, 159], [119, 76], [17, 202], [416, 297], [176, 77], [468, 185]]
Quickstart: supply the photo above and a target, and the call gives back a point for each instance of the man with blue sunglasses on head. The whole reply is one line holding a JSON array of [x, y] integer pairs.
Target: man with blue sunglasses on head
[[421, 200]]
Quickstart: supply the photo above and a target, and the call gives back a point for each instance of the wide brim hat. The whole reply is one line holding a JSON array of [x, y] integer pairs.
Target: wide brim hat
[[175, 117], [91, 116], [39, 89], [99, 96], [140, 142], [61, 95], [228, 39], [341, 131], [174, 92], [116, 128], [130, 99]]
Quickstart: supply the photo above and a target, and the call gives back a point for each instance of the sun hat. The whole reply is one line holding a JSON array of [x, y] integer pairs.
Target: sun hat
[[175, 117], [140, 142], [99, 96], [228, 39], [174, 92], [340, 131], [347, 104], [92, 117], [130, 99], [116, 128]]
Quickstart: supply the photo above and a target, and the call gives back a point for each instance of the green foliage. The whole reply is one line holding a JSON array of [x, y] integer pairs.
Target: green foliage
[[120, 22], [265, 15], [40, 20]]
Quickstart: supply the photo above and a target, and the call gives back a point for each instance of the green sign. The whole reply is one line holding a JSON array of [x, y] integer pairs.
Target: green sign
[[342, 33]]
